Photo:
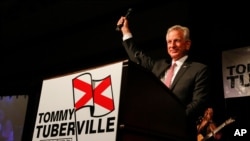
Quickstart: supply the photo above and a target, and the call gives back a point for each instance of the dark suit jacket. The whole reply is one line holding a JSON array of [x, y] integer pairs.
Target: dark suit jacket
[[191, 83]]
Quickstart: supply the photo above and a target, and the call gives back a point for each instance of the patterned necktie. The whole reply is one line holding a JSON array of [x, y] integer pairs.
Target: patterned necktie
[[170, 74]]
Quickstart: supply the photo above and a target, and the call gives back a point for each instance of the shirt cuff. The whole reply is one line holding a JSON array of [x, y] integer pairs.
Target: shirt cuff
[[126, 36]]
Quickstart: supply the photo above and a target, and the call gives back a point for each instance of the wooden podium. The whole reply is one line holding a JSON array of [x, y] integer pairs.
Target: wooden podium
[[148, 110]]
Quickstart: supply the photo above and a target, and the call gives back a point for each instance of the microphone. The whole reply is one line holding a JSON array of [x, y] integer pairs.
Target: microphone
[[200, 118], [118, 27]]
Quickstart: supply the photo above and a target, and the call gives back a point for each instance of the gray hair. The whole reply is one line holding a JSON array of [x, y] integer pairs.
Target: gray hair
[[184, 29]]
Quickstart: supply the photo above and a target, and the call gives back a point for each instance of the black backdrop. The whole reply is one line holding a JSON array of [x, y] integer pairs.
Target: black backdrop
[[44, 39]]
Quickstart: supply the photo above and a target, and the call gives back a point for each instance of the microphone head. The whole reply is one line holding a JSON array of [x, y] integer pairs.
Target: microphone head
[[128, 12], [130, 9], [199, 120]]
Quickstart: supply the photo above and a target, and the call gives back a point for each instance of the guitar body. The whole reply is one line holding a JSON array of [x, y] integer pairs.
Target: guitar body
[[200, 137]]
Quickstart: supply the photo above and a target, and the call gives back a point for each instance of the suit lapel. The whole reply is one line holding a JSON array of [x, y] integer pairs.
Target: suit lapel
[[179, 74]]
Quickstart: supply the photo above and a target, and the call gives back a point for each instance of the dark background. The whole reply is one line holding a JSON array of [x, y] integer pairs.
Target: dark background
[[44, 38]]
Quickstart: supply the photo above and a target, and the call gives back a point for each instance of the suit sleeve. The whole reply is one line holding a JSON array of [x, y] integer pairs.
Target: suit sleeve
[[201, 94], [136, 55]]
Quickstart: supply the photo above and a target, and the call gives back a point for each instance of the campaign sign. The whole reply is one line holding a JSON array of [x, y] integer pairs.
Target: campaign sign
[[236, 72], [80, 106]]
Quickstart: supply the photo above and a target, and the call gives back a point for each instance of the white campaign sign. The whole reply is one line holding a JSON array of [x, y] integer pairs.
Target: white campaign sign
[[80, 106], [236, 72]]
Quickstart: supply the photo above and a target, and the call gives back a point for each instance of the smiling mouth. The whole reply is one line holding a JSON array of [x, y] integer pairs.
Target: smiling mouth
[[174, 51]]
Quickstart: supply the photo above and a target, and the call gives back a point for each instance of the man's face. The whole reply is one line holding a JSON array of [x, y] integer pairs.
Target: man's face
[[177, 46]]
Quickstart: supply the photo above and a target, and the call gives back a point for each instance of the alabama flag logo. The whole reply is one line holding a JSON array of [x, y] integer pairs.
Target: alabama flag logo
[[97, 95], [80, 106]]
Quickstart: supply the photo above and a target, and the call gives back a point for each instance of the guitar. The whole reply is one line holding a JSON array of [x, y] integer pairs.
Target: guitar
[[209, 135]]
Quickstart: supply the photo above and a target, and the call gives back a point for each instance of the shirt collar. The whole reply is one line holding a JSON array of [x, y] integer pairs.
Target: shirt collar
[[181, 60]]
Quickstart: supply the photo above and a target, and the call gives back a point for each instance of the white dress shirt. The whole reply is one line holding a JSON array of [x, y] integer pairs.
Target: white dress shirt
[[177, 67]]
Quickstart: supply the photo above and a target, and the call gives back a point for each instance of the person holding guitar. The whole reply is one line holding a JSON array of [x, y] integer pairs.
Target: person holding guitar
[[206, 126]]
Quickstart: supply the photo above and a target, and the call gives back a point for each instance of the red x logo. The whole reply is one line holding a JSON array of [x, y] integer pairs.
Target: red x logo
[[97, 93]]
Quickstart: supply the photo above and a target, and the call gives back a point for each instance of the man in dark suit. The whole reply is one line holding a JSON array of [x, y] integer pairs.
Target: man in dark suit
[[190, 81]]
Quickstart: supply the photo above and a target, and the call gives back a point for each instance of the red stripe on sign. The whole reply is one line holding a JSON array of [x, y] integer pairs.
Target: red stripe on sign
[[84, 87], [103, 100]]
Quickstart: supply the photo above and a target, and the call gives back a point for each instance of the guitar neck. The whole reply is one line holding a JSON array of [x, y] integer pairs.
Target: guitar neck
[[214, 131], [218, 129]]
